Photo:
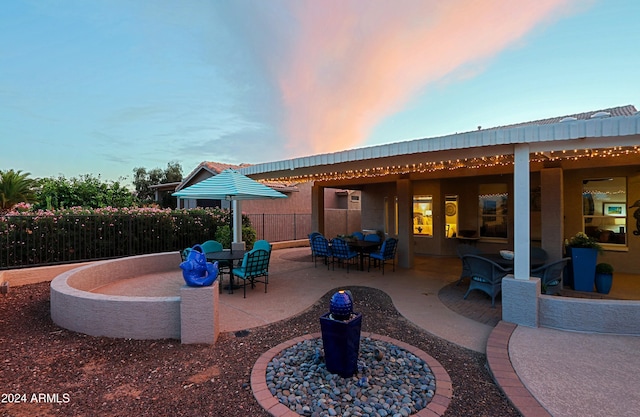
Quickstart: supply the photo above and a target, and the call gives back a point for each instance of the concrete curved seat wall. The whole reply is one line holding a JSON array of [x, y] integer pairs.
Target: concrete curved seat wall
[[75, 308]]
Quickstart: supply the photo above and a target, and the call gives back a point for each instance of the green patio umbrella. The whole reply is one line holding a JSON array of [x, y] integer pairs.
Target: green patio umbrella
[[229, 185]]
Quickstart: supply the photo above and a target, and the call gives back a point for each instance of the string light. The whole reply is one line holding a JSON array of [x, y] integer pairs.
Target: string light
[[451, 165]]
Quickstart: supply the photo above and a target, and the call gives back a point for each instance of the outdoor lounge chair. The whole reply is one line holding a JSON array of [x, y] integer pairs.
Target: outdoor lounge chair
[[550, 275], [341, 252], [486, 276], [462, 250], [539, 254], [255, 264], [386, 253]]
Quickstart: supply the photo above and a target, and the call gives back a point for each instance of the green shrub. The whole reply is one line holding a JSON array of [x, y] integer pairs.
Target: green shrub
[[604, 268]]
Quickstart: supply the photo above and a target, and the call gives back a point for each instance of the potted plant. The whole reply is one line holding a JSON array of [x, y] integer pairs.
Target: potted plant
[[583, 251], [604, 278]]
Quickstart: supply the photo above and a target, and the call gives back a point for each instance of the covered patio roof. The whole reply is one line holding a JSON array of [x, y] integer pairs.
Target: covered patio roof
[[605, 133]]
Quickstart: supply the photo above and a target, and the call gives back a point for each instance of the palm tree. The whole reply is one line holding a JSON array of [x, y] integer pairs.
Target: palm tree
[[15, 187]]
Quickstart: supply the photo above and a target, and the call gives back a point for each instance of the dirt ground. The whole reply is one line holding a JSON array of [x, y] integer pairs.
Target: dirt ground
[[49, 371]]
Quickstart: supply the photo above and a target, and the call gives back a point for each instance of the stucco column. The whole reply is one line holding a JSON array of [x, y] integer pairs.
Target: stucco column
[[521, 203], [520, 295], [317, 209], [199, 318], [405, 223], [552, 211]]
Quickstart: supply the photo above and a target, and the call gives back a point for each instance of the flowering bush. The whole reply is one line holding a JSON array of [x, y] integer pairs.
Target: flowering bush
[[39, 237], [582, 240]]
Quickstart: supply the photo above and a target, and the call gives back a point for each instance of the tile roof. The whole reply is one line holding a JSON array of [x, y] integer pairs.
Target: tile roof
[[217, 167]]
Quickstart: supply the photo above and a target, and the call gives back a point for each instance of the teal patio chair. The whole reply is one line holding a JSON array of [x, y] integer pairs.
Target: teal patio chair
[[185, 253], [211, 246], [262, 244], [255, 264], [223, 266]]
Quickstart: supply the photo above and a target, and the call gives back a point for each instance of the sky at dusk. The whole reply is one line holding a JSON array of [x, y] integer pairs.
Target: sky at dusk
[[103, 86]]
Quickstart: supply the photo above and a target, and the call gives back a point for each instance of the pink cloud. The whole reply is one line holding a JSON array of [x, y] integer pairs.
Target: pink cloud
[[353, 63]]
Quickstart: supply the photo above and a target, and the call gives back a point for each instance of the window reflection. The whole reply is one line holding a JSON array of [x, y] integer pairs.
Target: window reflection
[[493, 207], [604, 209]]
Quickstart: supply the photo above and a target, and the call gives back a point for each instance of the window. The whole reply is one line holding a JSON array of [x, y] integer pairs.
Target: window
[[451, 216], [493, 208], [604, 209], [423, 215]]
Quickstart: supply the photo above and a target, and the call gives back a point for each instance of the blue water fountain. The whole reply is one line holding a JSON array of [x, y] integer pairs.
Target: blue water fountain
[[340, 329]]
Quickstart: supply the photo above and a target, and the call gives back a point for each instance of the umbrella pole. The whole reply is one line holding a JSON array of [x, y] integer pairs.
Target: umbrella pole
[[231, 226], [237, 223]]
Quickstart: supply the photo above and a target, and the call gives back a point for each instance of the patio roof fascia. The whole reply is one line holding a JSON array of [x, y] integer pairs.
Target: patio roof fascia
[[576, 134]]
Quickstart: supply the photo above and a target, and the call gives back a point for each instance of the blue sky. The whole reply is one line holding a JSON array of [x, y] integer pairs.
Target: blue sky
[[101, 87]]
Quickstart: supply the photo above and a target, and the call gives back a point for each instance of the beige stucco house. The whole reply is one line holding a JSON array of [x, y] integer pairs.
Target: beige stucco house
[[532, 184]]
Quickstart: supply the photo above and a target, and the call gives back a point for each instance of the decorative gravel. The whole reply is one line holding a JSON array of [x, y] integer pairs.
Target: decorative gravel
[[389, 382]]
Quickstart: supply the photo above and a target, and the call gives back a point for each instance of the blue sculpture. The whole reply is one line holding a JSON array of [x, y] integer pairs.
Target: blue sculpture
[[196, 271]]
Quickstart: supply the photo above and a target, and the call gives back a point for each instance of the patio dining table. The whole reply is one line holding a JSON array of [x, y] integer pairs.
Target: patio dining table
[[363, 247], [230, 257]]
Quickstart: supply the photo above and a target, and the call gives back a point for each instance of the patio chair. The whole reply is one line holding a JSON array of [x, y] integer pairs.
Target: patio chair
[[550, 275], [341, 252], [372, 237], [255, 264], [311, 236], [462, 250], [486, 276], [358, 235], [223, 266], [320, 249], [539, 253], [185, 253], [386, 253], [211, 246], [262, 244]]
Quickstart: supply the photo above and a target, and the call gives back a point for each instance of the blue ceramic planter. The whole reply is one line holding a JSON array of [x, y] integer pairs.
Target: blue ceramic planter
[[583, 261], [341, 342], [603, 283]]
